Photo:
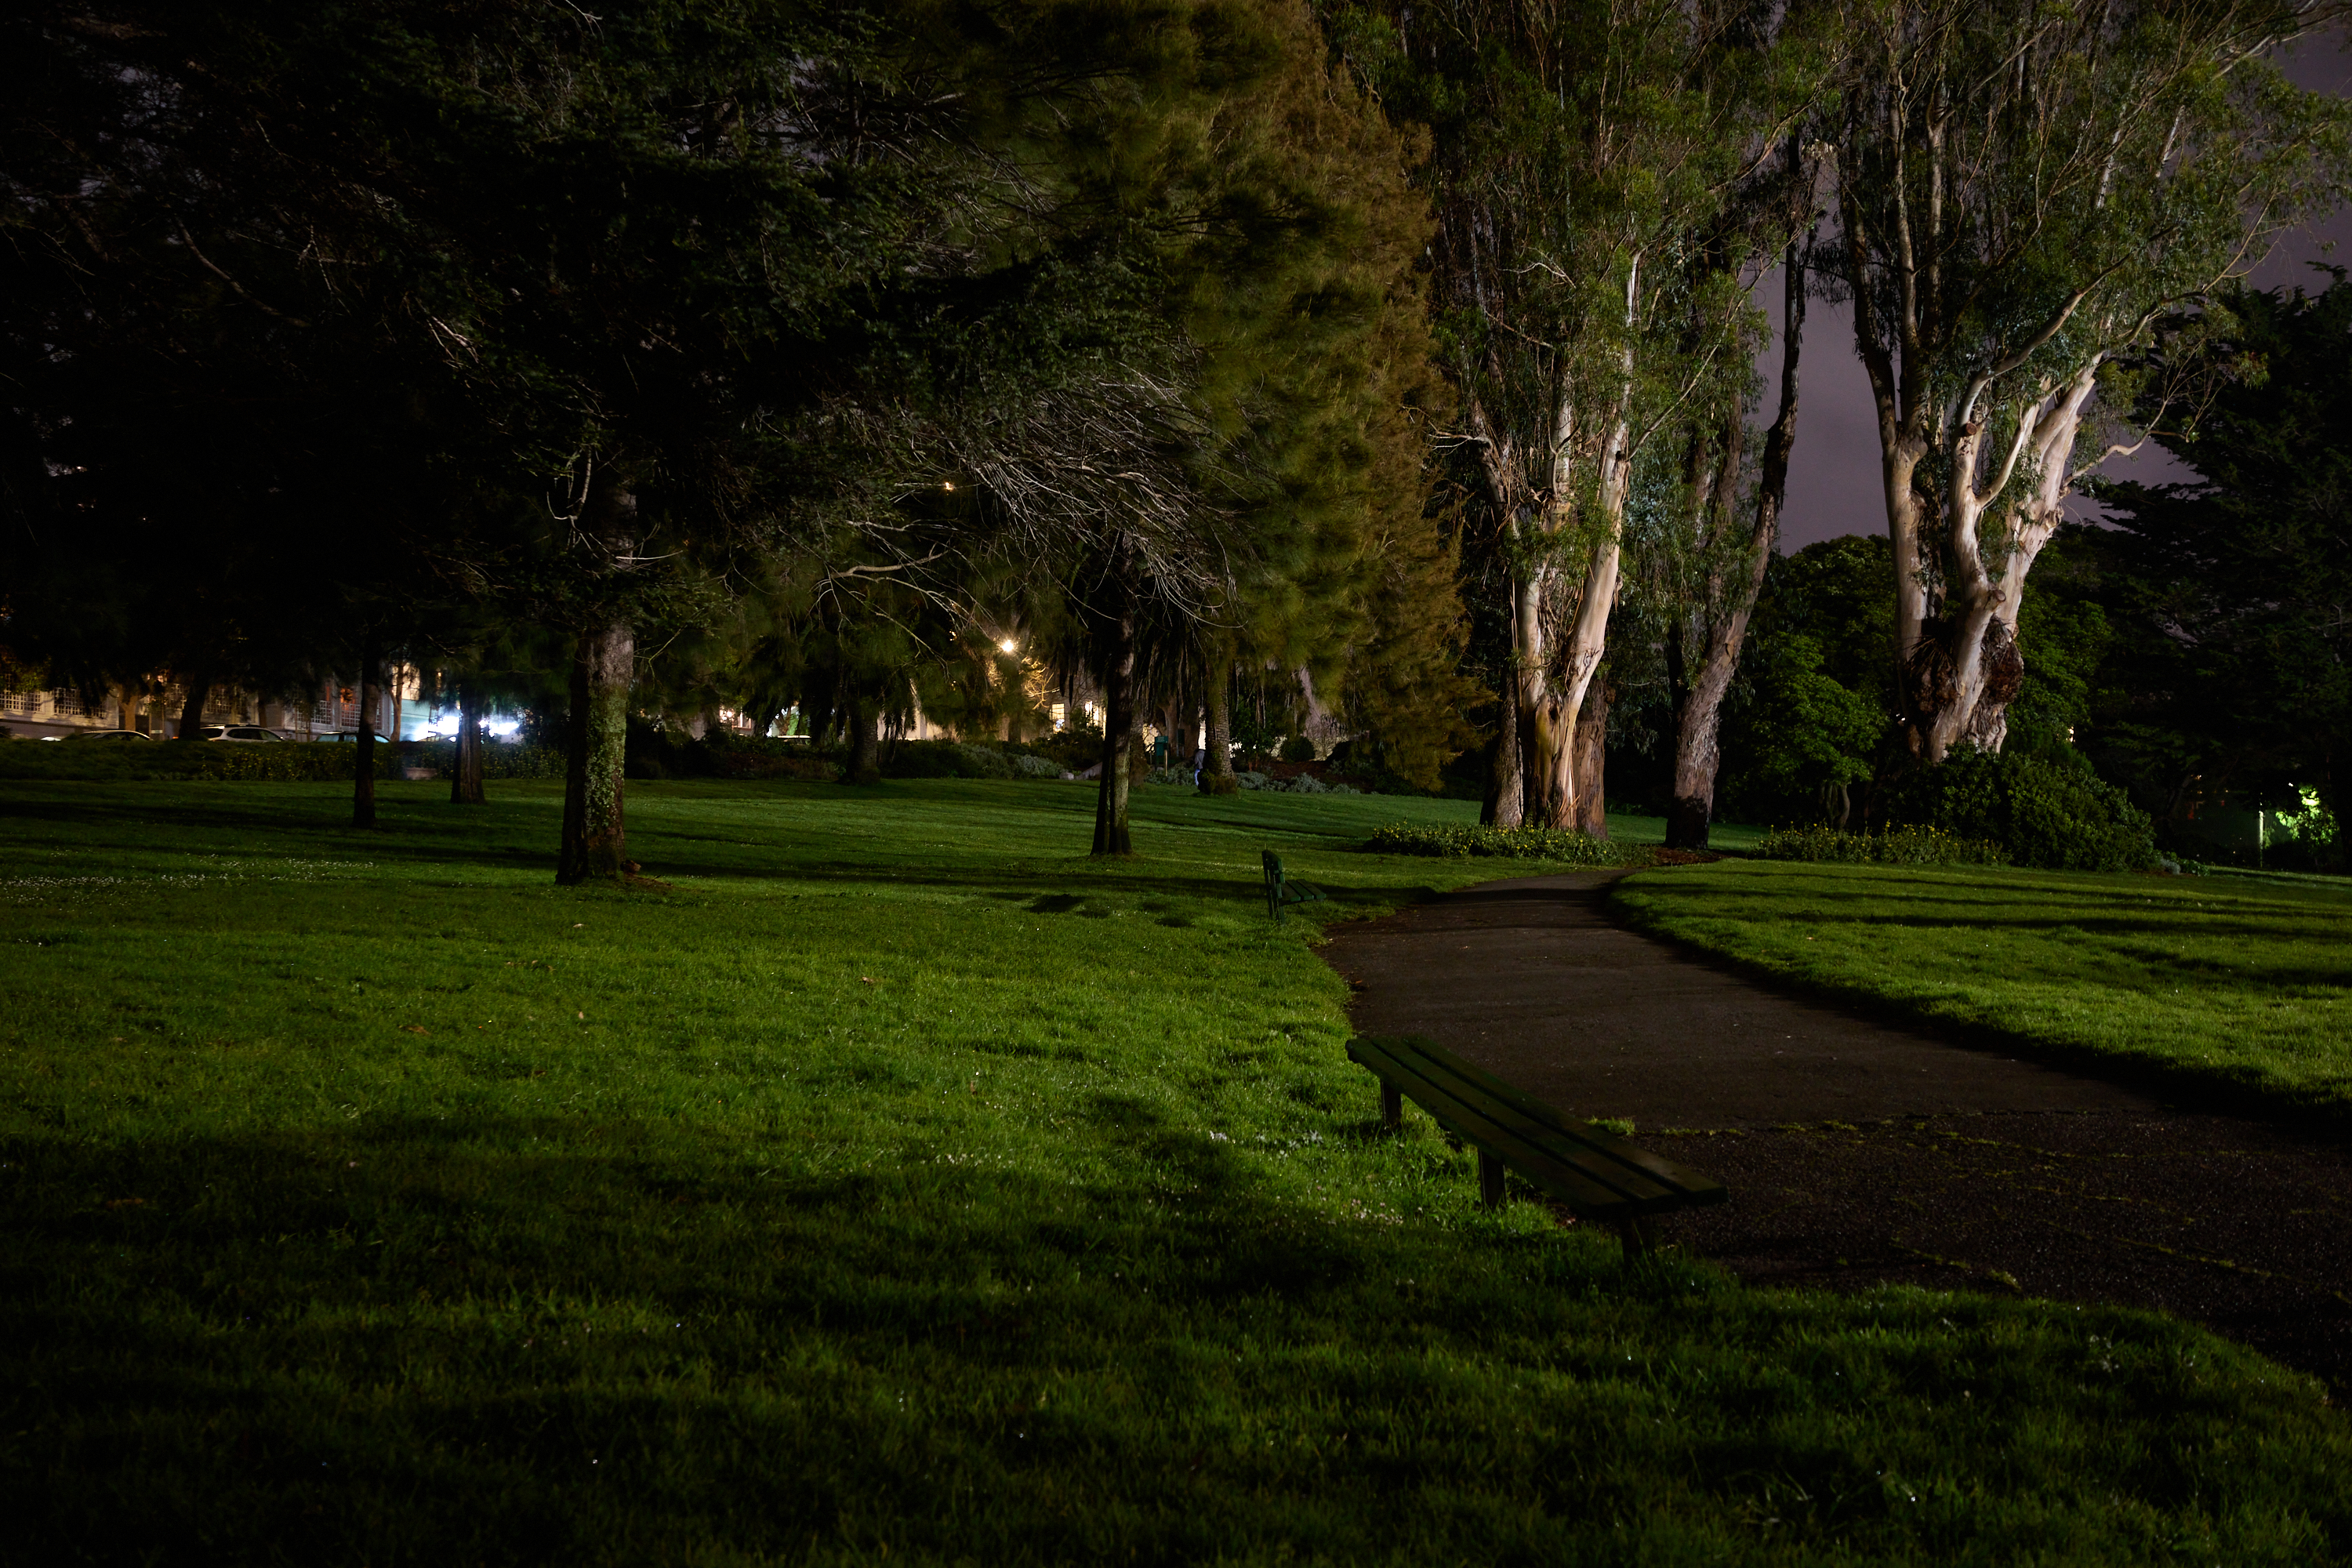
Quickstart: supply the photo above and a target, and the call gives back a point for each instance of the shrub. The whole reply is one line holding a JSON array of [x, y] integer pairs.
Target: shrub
[[501, 759], [1298, 749], [1509, 843], [944, 760], [285, 762], [2053, 813], [1028, 766], [1249, 778], [1306, 784], [1896, 847]]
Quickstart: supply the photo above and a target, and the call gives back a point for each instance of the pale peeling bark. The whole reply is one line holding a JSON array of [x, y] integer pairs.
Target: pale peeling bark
[[1588, 763], [1559, 616], [1966, 668], [1730, 594], [595, 843]]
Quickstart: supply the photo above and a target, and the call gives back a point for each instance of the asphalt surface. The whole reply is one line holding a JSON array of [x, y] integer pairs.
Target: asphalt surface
[[1858, 1152]]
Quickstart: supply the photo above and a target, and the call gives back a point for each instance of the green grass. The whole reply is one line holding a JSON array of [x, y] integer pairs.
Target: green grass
[[901, 1186], [2239, 984]]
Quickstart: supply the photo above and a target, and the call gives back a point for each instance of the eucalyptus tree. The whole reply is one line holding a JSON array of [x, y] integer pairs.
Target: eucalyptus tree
[[2024, 192], [1708, 564], [1581, 153]]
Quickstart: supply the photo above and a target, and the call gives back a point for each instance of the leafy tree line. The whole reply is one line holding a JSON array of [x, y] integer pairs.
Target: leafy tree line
[[754, 351], [760, 354], [2192, 642]]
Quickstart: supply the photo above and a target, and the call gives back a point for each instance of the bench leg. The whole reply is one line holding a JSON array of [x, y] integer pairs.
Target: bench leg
[[1640, 1237], [1490, 1180], [1391, 1106]]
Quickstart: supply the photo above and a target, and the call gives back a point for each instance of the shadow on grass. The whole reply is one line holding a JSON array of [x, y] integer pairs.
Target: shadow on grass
[[523, 1340]]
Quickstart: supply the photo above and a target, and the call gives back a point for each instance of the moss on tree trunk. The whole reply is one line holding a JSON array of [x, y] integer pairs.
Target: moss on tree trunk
[[1217, 767], [596, 846]]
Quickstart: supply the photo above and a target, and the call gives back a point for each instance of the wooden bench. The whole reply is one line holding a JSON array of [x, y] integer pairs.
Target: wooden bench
[[1599, 1175], [1281, 890]]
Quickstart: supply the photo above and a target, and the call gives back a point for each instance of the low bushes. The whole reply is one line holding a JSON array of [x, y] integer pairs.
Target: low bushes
[[1896, 847], [286, 762], [2053, 814], [1509, 843], [501, 759]]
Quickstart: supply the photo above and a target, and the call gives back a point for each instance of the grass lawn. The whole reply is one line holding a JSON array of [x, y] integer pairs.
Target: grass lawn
[[900, 1185], [2240, 983]]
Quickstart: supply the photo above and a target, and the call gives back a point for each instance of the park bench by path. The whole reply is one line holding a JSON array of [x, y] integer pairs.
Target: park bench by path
[[1599, 1175], [1280, 891]]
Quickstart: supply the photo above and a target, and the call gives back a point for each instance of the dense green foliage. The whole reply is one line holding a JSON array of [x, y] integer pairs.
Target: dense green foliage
[[1560, 844], [901, 1180], [2231, 684], [1804, 725], [2053, 812], [2228, 984], [1893, 847]]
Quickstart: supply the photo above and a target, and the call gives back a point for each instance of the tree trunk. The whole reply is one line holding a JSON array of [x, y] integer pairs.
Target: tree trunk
[[1590, 801], [1698, 752], [865, 745], [363, 754], [1504, 805], [1217, 677], [1111, 834], [192, 710], [465, 771], [596, 844]]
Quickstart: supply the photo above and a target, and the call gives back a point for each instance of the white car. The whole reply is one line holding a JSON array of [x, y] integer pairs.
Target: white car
[[237, 733]]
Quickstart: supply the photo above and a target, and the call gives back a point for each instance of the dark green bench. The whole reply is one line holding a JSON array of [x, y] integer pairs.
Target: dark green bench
[[1281, 890], [1599, 1175]]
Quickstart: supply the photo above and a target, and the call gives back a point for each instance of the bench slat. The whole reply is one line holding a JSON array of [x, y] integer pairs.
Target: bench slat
[[1694, 1188], [1626, 1183], [1587, 1183]]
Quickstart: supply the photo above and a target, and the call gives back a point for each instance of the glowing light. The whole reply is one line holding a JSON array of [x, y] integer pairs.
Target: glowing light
[[947, 484], [1008, 645]]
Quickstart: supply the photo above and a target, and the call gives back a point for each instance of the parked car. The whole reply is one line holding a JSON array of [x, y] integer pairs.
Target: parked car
[[104, 735], [238, 732]]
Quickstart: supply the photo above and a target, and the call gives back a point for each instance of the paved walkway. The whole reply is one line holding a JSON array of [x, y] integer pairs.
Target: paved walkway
[[1856, 1151]]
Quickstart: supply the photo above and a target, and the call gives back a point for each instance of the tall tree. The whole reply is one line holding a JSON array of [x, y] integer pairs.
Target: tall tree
[[1715, 564], [2023, 193], [1581, 152], [2231, 593]]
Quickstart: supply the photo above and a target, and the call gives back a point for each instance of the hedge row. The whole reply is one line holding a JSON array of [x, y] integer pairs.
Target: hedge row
[[2053, 814], [1896, 847], [1508, 843], [285, 762]]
